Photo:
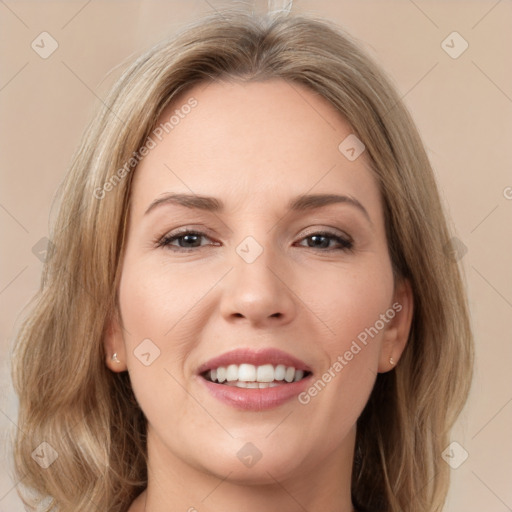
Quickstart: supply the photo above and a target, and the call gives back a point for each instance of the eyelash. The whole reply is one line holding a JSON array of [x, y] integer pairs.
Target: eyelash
[[346, 244]]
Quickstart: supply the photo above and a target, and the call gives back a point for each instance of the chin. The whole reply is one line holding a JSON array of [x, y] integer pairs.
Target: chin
[[258, 462]]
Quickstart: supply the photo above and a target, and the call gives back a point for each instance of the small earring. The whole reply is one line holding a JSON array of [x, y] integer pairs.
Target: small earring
[[114, 358], [391, 361]]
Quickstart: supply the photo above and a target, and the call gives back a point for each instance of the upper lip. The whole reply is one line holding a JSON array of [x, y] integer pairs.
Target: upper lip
[[256, 357]]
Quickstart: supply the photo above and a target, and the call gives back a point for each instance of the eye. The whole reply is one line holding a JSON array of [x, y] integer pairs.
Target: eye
[[322, 240], [186, 240], [190, 240]]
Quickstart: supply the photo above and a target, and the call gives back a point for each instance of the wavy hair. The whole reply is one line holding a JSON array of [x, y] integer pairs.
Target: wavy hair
[[88, 415]]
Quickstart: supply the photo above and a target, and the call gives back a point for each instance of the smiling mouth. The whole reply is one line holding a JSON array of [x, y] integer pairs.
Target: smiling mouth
[[251, 376]]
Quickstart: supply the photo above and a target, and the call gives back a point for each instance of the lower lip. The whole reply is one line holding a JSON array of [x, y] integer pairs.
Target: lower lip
[[256, 399]]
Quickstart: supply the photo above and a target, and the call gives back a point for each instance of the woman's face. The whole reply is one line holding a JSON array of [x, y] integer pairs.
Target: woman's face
[[276, 268]]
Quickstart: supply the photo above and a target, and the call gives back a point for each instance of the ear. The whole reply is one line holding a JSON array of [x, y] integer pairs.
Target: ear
[[398, 328], [113, 343]]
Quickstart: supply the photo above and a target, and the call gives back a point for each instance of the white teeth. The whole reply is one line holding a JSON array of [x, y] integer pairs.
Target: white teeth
[[251, 376], [290, 373], [221, 374], [232, 373], [265, 373], [280, 372], [247, 372]]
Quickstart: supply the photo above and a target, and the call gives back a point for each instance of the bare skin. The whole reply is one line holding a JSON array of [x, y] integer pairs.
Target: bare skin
[[255, 146]]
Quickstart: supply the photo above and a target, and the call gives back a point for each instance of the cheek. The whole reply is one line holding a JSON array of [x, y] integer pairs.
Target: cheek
[[160, 327], [350, 301], [157, 302], [355, 306]]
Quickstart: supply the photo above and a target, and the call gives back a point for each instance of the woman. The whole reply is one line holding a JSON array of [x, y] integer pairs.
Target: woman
[[250, 301]]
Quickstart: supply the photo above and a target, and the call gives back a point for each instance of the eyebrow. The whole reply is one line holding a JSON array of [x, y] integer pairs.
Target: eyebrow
[[298, 204]]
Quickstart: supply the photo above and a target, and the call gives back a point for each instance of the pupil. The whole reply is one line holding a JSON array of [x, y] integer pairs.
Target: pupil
[[316, 237], [187, 238]]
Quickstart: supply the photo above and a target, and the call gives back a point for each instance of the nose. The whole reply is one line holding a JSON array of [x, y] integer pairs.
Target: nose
[[259, 291]]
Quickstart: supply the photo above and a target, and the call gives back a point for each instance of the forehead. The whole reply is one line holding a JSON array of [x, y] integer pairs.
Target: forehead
[[251, 142]]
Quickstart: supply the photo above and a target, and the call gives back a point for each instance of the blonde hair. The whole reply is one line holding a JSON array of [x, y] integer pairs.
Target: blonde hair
[[69, 399]]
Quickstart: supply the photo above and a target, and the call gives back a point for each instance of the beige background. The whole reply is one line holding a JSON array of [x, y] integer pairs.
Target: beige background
[[462, 107]]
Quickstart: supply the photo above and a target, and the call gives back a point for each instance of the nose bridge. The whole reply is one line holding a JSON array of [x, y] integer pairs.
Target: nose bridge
[[256, 263], [255, 289]]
